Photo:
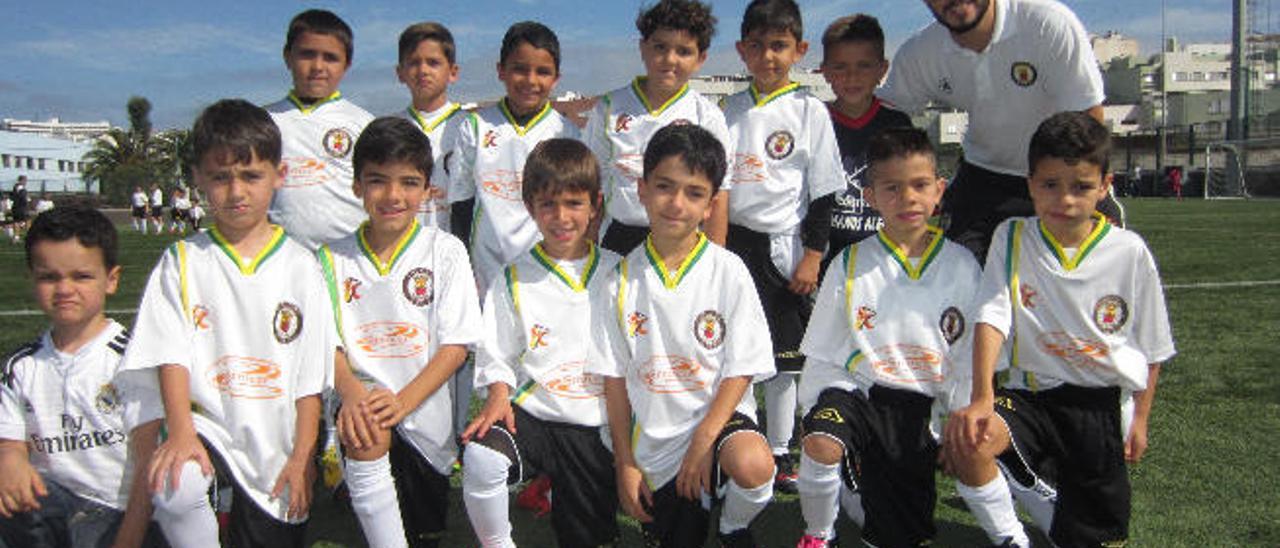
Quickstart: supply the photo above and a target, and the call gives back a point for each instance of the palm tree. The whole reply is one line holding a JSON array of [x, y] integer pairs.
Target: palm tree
[[171, 154], [123, 159]]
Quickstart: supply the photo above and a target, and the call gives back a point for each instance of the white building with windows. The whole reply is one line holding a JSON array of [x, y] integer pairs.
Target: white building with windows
[[75, 131], [50, 164]]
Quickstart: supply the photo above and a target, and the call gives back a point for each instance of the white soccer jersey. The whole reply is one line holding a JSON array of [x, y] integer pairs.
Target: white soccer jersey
[[157, 199], [785, 157], [316, 203], [882, 318], [1090, 316], [674, 336], [66, 407], [1039, 62], [618, 130], [491, 149], [139, 199], [254, 334], [393, 317], [181, 204], [537, 336], [43, 205], [437, 124]]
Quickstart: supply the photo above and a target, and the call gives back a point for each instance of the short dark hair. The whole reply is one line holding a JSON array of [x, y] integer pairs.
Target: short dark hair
[[1071, 136], [392, 139], [858, 27], [771, 15], [237, 128], [700, 150], [87, 225], [533, 33], [559, 165], [691, 16], [418, 33], [320, 22], [897, 142]]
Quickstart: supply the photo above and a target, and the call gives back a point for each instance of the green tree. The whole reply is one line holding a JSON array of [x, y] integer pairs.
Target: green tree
[[121, 160]]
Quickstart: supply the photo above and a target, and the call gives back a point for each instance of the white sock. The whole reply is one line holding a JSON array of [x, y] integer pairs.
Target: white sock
[[484, 491], [373, 498], [819, 486], [742, 505], [992, 507], [184, 513], [851, 501], [1038, 500], [780, 406]]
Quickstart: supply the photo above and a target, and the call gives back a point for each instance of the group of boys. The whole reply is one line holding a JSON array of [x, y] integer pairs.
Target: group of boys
[[738, 244]]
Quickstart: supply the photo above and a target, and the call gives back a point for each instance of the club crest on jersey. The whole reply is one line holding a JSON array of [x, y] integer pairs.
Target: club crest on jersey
[[200, 317], [708, 328], [1110, 313], [780, 144], [623, 123], [635, 324], [951, 324], [287, 322], [419, 286], [338, 142], [490, 139], [538, 336], [1023, 73], [108, 400], [863, 321], [351, 290]]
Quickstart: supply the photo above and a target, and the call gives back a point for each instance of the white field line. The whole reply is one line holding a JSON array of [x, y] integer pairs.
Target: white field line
[[1196, 285]]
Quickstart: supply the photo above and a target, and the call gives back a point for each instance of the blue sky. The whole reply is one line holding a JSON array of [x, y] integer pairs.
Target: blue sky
[[81, 60]]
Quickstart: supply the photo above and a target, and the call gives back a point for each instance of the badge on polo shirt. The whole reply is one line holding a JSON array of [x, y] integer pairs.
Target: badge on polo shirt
[[1023, 73]]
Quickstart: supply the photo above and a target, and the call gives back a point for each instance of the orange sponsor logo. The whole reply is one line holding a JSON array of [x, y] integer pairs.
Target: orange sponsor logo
[[908, 363], [1076, 351], [303, 171], [502, 183], [568, 380], [246, 378], [673, 375], [747, 168], [391, 340]]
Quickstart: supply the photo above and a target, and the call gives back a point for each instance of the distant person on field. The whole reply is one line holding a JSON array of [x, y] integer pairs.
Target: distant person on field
[[21, 206], [1175, 181], [6, 214], [1078, 304], [319, 128], [45, 203], [138, 209]]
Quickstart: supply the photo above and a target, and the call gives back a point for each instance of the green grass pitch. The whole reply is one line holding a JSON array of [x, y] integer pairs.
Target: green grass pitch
[[1211, 476]]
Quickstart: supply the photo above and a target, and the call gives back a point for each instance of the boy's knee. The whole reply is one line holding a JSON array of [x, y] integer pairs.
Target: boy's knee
[[823, 449], [372, 452], [192, 491], [747, 460]]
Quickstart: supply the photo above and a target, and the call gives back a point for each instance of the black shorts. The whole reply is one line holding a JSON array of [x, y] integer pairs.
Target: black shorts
[[978, 200], [584, 512], [890, 456], [679, 522], [1070, 438], [423, 494], [250, 525], [19, 214], [138, 212], [622, 238], [787, 312], [157, 212]]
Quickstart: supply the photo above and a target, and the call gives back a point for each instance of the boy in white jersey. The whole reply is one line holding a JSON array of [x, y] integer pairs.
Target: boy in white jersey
[[490, 147], [785, 173], [233, 346], [427, 66], [1080, 303], [156, 211], [887, 339], [404, 298], [318, 128], [674, 37], [71, 476], [544, 411], [138, 209], [181, 211], [686, 337]]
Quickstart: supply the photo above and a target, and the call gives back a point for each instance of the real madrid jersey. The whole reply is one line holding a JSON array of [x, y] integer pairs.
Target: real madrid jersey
[[394, 316], [881, 317], [436, 124], [537, 335], [254, 334], [66, 408], [316, 203], [785, 156], [491, 149], [618, 130], [1090, 316], [674, 336]]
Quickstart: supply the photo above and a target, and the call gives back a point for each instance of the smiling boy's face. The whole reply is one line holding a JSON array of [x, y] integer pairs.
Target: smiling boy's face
[[392, 194]]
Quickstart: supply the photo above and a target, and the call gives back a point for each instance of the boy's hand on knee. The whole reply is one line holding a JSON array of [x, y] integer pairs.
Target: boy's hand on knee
[[172, 455], [294, 477], [496, 408], [20, 488], [968, 427], [633, 492], [357, 429], [384, 407], [695, 472]]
